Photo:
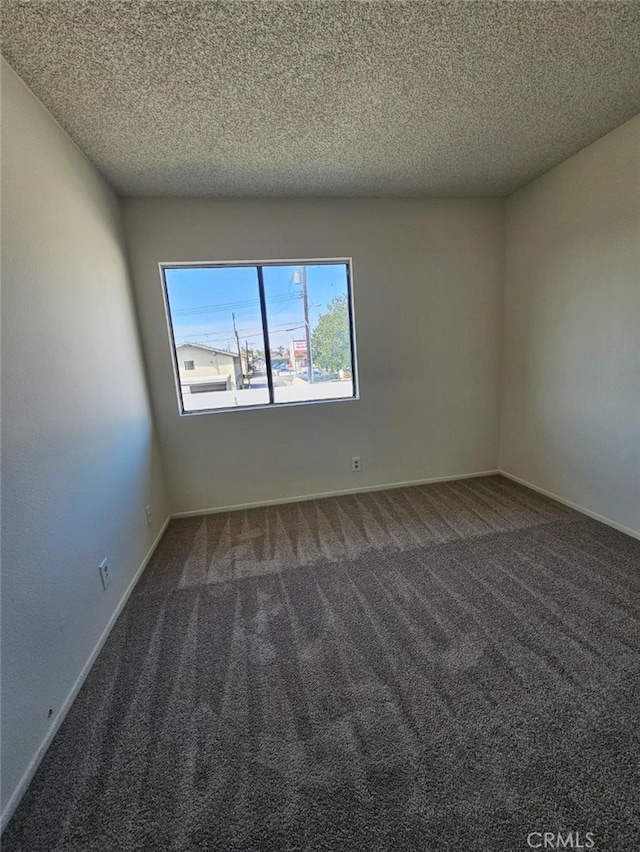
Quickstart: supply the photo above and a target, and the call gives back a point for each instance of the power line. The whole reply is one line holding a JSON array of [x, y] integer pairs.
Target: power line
[[226, 306], [249, 330]]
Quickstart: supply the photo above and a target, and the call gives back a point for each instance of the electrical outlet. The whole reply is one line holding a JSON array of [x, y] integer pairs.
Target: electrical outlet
[[356, 464], [105, 574], [147, 511]]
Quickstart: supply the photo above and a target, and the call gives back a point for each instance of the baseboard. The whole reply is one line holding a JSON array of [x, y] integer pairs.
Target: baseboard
[[572, 505], [26, 779], [278, 501]]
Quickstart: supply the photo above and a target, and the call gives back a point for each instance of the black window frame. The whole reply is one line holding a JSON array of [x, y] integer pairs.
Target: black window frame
[[259, 266]]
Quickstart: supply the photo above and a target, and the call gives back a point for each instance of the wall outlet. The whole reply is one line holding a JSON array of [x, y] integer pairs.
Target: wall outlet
[[356, 464], [105, 574], [147, 511]]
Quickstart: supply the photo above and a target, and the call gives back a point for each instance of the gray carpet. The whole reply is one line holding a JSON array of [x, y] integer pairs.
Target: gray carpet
[[446, 667]]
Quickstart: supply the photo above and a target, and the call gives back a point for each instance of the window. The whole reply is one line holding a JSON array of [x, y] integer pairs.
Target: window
[[260, 334]]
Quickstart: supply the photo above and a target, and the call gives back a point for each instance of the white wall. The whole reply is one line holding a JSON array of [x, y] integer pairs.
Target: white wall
[[571, 387], [428, 307], [79, 460]]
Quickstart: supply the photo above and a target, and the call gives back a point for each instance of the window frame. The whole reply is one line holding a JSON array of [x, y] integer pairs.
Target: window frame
[[259, 265]]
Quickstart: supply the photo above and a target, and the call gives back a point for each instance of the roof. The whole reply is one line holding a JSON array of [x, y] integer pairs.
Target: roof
[[209, 349], [347, 99]]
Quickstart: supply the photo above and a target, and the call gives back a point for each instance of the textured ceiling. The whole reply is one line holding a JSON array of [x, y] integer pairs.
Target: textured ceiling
[[328, 98]]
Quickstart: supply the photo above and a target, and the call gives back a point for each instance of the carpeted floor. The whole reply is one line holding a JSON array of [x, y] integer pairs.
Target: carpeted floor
[[445, 667]]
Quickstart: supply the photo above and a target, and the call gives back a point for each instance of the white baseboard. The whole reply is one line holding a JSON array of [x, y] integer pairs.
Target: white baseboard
[[31, 769], [572, 505], [278, 501]]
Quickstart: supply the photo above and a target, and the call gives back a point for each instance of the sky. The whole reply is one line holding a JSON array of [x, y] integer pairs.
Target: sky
[[202, 301]]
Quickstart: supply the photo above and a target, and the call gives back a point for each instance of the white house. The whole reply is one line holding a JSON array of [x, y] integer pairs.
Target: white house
[[204, 368]]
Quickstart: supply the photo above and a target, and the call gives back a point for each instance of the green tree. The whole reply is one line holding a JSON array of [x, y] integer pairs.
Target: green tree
[[330, 344]]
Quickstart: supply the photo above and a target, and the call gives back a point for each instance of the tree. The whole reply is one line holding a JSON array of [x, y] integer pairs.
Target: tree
[[330, 344]]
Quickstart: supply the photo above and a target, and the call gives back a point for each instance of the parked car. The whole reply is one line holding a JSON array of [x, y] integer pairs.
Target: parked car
[[318, 375]]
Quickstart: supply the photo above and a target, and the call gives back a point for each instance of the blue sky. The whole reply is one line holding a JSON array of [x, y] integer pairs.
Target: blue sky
[[202, 300]]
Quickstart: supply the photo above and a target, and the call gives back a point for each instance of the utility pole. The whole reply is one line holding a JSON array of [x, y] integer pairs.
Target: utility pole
[[235, 331], [305, 302], [246, 346]]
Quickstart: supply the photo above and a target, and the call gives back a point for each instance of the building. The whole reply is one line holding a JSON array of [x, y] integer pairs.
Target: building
[[204, 368]]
